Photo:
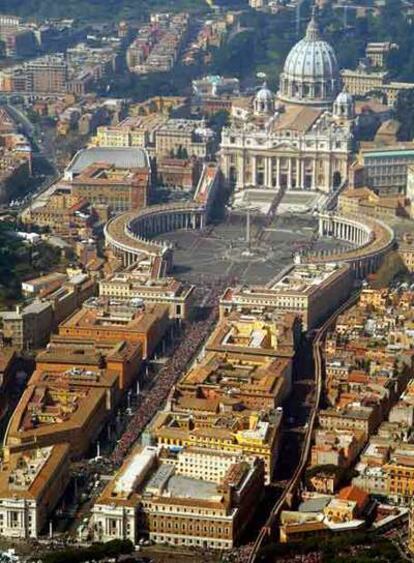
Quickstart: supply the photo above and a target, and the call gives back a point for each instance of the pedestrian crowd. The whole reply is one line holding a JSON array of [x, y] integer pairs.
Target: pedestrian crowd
[[192, 338]]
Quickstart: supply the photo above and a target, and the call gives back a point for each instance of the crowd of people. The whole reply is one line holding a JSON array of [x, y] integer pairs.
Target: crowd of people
[[193, 336]]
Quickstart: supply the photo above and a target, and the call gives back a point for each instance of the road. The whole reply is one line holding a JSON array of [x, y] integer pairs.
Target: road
[[44, 147], [27, 126], [42, 194], [294, 481]]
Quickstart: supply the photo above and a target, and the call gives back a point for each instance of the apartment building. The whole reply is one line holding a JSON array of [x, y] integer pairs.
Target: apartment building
[[64, 213], [362, 81], [197, 423], [119, 178], [44, 75], [132, 284], [28, 327], [124, 359], [386, 169], [110, 320], [31, 484], [57, 407], [363, 201], [310, 290]]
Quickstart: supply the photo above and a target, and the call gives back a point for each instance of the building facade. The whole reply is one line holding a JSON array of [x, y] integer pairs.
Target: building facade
[[310, 290], [172, 499], [31, 484], [291, 141], [28, 327]]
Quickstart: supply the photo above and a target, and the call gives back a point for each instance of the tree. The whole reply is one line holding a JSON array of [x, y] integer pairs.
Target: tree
[[219, 120], [404, 112]]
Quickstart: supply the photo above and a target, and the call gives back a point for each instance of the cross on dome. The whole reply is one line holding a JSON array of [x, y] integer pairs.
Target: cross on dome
[[313, 32]]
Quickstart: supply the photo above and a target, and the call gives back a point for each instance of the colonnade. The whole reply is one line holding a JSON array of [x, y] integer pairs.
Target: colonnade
[[129, 237], [287, 172], [157, 223], [283, 172], [371, 241], [323, 91], [344, 229]]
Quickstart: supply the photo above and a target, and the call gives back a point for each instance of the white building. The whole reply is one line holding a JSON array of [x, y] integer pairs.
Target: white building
[[311, 291], [31, 484], [300, 139], [179, 496]]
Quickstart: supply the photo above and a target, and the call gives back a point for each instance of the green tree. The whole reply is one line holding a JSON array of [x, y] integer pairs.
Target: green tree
[[404, 112]]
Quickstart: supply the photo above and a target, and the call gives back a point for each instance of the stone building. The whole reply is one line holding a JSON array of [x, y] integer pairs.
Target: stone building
[[300, 139], [31, 484], [173, 498], [107, 319], [117, 177], [28, 327], [311, 291]]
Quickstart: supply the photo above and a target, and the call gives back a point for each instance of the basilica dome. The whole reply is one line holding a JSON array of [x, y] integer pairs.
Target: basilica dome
[[310, 75]]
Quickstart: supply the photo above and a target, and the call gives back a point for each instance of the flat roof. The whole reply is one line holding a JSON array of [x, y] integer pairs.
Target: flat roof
[[35, 479], [125, 157], [164, 482]]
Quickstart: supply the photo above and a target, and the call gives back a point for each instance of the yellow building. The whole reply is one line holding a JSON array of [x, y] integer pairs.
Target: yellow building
[[400, 470], [160, 135], [375, 298], [200, 425], [406, 251], [132, 132], [339, 510], [363, 201]]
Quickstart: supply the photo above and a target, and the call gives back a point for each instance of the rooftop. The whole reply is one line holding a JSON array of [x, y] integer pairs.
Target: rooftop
[[126, 158], [26, 475], [302, 279], [111, 314], [165, 483]]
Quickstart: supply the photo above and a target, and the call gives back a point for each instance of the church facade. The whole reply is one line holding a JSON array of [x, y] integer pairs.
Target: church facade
[[300, 139]]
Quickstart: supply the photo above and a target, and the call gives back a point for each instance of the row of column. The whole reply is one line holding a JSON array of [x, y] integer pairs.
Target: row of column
[[314, 90], [362, 266], [157, 224], [297, 176], [366, 266], [343, 231]]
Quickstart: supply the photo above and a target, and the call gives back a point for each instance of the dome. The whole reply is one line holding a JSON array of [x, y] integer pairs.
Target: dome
[[344, 105], [264, 94], [311, 74], [264, 101], [344, 98]]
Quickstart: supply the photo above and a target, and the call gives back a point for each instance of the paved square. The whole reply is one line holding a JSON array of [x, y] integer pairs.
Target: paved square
[[221, 249]]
